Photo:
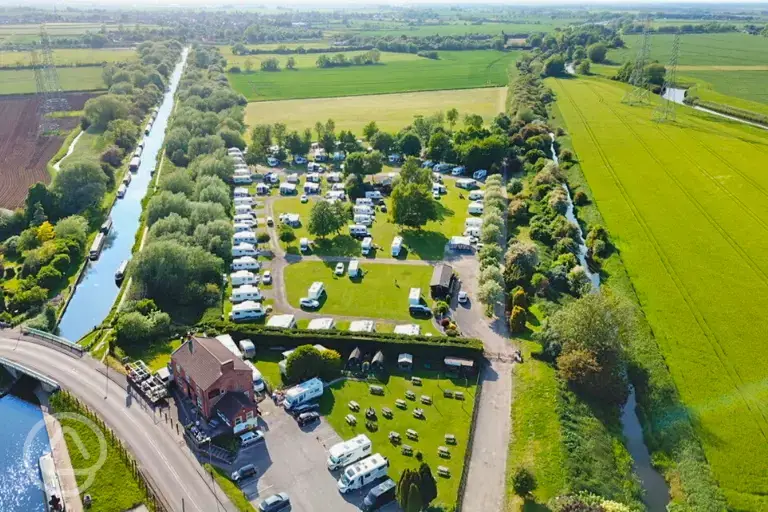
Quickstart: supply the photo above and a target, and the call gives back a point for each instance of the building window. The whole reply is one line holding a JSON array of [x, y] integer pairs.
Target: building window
[[249, 415], [238, 420], [199, 403]]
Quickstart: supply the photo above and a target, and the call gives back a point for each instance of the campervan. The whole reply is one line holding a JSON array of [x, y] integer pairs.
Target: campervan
[[364, 201], [379, 496], [247, 348], [363, 473], [367, 245], [374, 195], [316, 290], [345, 453], [303, 393], [354, 268], [358, 231], [365, 220], [397, 246], [363, 210]]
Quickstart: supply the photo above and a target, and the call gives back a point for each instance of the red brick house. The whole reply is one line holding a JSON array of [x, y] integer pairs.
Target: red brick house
[[217, 381]]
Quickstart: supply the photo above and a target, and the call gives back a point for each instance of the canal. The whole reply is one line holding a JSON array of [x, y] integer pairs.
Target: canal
[[97, 291]]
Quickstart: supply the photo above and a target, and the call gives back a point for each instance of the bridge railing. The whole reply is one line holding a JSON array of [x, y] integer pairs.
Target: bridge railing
[[52, 338]]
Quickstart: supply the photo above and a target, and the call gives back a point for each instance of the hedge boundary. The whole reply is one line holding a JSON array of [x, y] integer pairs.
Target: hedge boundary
[[470, 442]]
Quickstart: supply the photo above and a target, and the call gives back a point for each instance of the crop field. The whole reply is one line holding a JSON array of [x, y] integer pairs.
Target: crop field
[[354, 112], [22, 81], [23, 155], [453, 70], [686, 204], [305, 60], [747, 85], [700, 49], [27, 33], [71, 57]]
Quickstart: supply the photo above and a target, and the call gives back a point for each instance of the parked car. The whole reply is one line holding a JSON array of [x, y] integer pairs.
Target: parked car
[[250, 438], [270, 221], [273, 162], [308, 303], [304, 198], [266, 277], [479, 175], [463, 297], [299, 160], [427, 164], [301, 409], [244, 472], [435, 194], [339, 271], [307, 418], [275, 502]]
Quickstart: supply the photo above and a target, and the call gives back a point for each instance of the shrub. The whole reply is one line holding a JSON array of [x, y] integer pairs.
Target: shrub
[[566, 155], [441, 307], [60, 262], [523, 482], [540, 283], [519, 299], [517, 320], [48, 277], [514, 186], [286, 233], [262, 237], [580, 198]]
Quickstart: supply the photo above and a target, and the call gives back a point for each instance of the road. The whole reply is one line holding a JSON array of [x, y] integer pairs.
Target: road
[[162, 455]]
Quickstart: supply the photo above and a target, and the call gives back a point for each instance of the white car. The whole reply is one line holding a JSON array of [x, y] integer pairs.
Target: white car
[[463, 297], [304, 198], [270, 221], [299, 160], [339, 269], [266, 277], [308, 303], [273, 162]]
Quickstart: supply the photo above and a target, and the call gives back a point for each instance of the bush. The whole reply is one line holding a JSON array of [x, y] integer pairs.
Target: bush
[[262, 237], [523, 482], [48, 277], [514, 186], [60, 262], [580, 198], [440, 307], [517, 320], [566, 155], [286, 233]]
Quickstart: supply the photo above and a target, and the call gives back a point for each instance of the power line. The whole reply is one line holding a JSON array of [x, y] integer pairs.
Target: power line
[[667, 111], [640, 94], [47, 84]]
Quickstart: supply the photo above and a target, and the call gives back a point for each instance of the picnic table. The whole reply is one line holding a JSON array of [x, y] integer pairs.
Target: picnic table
[[450, 439], [410, 395], [351, 419], [443, 471], [443, 451], [412, 434], [426, 399], [386, 412], [354, 406], [406, 449], [458, 395], [447, 393], [394, 437], [418, 413], [401, 403], [416, 381]]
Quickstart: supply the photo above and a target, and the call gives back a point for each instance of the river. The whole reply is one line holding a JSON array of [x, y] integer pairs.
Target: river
[[656, 492], [20, 489], [97, 291], [677, 95]]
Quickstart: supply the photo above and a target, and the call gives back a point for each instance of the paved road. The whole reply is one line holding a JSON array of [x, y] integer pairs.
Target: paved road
[[163, 456]]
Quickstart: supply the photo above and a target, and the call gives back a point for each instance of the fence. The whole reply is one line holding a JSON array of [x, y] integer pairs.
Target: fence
[[55, 340], [470, 444]]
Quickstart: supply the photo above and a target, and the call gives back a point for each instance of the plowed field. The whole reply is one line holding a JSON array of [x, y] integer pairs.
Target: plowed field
[[24, 155]]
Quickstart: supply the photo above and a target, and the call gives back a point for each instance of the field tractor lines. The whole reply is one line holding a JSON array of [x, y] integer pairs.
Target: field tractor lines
[[685, 294], [691, 197]]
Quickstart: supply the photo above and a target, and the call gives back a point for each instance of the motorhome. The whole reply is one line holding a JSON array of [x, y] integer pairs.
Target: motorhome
[[354, 268], [247, 348], [345, 453], [367, 245], [358, 230], [365, 220], [96, 246], [247, 310], [303, 393], [415, 303], [316, 290], [397, 246], [245, 263], [120, 273], [363, 473], [244, 293]]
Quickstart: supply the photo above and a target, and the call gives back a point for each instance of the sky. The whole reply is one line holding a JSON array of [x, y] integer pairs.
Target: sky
[[347, 3]]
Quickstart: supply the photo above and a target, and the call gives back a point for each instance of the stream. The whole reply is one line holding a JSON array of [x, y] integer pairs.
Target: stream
[[677, 95], [70, 149], [96, 290], [656, 492]]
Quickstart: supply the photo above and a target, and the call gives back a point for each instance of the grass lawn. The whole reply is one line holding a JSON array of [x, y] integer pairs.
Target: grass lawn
[[22, 81], [684, 203], [445, 416], [354, 112], [425, 244], [382, 292], [404, 73], [231, 489], [71, 57], [114, 488]]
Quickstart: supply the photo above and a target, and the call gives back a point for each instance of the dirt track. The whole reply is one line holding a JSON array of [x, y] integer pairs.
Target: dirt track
[[24, 155]]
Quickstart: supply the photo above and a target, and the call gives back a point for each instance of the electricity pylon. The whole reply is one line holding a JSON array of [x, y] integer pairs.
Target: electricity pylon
[[47, 84], [667, 111], [640, 94]]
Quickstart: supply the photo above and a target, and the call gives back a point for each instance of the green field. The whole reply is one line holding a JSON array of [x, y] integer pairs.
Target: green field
[[354, 112], [444, 416], [404, 73], [686, 206], [22, 81], [27, 33], [425, 244], [746, 85], [700, 49], [76, 57], [382, 292]]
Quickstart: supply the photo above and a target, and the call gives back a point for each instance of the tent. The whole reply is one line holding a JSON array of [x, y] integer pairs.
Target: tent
[[405, 361], [355, 358], [377, 364]]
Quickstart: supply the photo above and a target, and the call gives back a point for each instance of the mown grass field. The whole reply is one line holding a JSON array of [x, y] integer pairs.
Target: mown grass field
[[22, 81], [751, 86], [444, 416], [700, 49], [404, 73], [71, 57], [686, 206], [354, 112]]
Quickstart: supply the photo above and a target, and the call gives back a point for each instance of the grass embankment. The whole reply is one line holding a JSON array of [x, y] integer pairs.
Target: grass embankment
[[427, 243], [680, 228], [231, 489], [444, 416], [390, 111], [403, 73], [22, 81], [116, 485]]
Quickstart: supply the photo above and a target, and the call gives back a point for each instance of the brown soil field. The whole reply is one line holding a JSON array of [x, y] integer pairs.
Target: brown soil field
[[24, 155]]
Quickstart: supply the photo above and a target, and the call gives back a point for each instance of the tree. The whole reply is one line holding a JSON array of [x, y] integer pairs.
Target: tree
[[369, 130], [578, 281], [286, 233], [523, 482], [74, 227], [520, 262], [412, 205], [655, 73], [597, 52], [517, 320], [363, 164], [79, 185], [409, 144], [382, 141], [45, 232], [439, 147], [261, 140], [490, 294], [304, 363], [554, 66], [415, 501], [297, 144], [428, 485], [483, 153], [101, 110], [583, 68], [290, 63], [38, 194], [408, 478], [123, 133], [326, 218], [38, 215], [452, 116], [473, 121], [270, 64], [199, 146], [278, 132]]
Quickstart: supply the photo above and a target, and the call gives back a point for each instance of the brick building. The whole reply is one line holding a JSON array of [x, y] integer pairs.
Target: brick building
[[218, 383]]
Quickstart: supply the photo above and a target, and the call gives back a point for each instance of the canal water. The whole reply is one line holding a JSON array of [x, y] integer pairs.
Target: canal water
[[20, 489], [656, 495], [97, 291], [677, 95]]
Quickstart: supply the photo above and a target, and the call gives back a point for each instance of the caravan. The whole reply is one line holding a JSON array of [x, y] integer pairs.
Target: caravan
[[363, 473], [303, 393], [367, 245], [242, 277], [397, 246], [358, 231], [244, 293], [245, 263], [247, 310], [347, 452], [365, 220]]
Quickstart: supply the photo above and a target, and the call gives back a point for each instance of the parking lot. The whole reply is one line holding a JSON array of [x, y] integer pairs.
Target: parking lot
[[293, 460]]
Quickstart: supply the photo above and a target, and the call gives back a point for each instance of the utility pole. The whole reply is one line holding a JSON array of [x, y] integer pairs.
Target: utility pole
[[667, 111], [638, 79]]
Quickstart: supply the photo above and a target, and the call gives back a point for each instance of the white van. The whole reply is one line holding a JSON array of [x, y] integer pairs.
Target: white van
[[374, 195], [362, 473], [367, 245], [358, 230], [347, 452], [365, 220], [316, 290], [303, 393], [397, 246]]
